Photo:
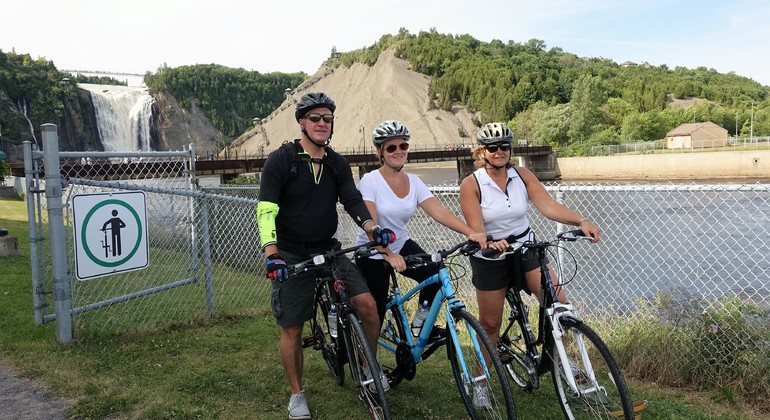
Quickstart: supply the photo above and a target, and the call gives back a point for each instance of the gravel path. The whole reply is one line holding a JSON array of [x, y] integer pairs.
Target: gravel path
[[22, 399]]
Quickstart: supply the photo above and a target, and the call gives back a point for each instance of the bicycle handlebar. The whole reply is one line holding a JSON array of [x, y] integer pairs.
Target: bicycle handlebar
[[323, 259], [568, 236], [466, 247]]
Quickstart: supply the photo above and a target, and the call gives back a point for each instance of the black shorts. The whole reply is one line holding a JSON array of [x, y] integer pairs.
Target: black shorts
[[499, 274], [292, 300]]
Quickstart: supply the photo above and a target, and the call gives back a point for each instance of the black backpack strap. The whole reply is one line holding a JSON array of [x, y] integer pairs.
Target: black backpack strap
[[478, 186]]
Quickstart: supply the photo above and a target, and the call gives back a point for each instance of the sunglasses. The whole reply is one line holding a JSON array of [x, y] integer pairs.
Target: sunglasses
[[317, 117], [492, 148], [391, 148]]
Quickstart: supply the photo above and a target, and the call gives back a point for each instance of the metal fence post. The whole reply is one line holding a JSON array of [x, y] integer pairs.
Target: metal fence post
[[31, 191], [62, 293], [207, 271]]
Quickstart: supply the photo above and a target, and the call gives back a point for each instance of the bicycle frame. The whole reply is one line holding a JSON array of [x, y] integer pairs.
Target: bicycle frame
[[446, 293]]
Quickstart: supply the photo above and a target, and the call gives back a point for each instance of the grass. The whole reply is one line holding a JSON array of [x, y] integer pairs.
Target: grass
[[227, 367]]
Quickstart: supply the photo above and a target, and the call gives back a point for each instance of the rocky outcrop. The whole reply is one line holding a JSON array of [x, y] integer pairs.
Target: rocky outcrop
[[174, 127], [366, 96]]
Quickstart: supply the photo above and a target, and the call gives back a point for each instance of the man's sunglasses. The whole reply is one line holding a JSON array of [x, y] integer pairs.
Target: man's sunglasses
[[492, 148], [317, 117], [391, 148]]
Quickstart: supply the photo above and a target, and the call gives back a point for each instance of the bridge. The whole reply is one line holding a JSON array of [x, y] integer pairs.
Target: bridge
[[541, 160]]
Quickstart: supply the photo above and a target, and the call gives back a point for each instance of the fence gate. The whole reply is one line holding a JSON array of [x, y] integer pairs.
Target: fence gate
[[189, 232]]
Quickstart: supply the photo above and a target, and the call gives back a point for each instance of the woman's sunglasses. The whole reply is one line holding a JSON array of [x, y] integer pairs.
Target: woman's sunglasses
[[317, 117], [391, 148], [492, 148]]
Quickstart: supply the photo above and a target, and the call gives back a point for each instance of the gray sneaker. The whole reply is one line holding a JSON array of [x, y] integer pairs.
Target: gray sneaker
[[298, 408], [481, 397], [383, 381]]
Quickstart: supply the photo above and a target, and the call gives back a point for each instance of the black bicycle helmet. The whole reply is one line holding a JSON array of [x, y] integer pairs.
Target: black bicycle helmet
[[494, 133], [388, 130], [311, 101]]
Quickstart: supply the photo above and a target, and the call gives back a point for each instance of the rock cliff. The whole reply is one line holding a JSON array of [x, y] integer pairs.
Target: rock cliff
[[366, 96]]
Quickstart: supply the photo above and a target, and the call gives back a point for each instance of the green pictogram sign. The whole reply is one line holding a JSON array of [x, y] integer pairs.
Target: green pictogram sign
[[110, 233]]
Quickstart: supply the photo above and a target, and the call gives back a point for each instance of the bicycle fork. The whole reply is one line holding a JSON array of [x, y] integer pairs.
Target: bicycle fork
[[558, 336], [452, 331]]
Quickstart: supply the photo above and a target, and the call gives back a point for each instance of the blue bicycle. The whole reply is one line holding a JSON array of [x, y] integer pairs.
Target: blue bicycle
[[478, 372]]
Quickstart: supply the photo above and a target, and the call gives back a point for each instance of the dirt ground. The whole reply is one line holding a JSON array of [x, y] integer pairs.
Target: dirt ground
[[22, 399]]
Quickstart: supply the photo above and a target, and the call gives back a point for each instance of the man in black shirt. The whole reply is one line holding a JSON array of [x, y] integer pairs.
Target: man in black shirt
[[297, 214]]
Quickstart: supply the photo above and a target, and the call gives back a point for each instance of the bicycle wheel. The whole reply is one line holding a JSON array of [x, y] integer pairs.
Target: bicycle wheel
[[485, 395], [330, 346], [601, 389], [364, 368], [512, 348]]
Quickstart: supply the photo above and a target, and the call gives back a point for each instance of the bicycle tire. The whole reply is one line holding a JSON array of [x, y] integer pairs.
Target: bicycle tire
[[466, 326], [608, 397], [518, 362], [330, 346], [359, 351]]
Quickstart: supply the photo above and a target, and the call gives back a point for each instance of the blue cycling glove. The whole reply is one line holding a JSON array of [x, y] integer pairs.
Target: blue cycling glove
[[276, 268], [383, 237]]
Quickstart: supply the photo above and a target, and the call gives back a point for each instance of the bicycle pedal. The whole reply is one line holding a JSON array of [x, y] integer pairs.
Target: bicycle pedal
[[505, 356], [308, 342]]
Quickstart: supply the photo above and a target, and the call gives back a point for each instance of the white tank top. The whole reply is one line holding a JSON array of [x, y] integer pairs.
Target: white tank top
[[504, 212]]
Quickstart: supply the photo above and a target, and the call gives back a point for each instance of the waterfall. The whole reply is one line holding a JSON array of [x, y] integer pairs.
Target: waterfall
[[22, 105], [123, 116]]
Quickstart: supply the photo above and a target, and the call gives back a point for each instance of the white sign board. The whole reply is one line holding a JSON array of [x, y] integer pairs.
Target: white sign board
[[110, 233]]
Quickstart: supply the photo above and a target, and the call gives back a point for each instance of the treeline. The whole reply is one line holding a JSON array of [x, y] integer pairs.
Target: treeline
[[33, 87], [230, 98], [553, 97]]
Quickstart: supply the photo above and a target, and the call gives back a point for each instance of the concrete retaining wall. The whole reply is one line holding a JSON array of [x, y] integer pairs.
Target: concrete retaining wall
[[749, 164]]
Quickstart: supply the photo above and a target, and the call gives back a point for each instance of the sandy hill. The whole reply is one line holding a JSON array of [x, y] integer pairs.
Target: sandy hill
[[365, 96]]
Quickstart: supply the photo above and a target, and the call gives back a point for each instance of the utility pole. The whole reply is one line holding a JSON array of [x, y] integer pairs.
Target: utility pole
[[751, 132]]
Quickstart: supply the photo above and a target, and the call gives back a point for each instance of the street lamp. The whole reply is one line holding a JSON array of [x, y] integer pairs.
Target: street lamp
[[751, 131]]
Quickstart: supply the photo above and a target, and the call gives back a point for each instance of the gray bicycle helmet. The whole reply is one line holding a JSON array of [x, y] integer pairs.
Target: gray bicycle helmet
[[388, 130], [311, 101], [494, 133]]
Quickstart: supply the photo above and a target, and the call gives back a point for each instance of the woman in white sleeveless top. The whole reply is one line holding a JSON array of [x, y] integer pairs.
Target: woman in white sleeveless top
[[392, 196], [494, 200]]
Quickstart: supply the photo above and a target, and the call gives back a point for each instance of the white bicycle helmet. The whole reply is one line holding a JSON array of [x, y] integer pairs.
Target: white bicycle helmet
[[494, 133], [388, 130]]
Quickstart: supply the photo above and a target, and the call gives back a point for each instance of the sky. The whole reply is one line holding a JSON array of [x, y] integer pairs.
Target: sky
[[291, 36]]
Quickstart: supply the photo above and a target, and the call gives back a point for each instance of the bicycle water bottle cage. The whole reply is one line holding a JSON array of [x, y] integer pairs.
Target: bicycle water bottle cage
[[319, 259]]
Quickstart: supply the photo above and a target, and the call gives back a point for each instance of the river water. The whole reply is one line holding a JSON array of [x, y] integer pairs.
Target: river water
[[692, 239]]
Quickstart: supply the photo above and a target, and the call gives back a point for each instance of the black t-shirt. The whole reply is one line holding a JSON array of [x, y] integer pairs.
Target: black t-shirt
[[307, 211]]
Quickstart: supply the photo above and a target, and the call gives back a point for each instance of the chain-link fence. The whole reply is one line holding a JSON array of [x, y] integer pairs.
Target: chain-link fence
[[690, 254], [661, 146]]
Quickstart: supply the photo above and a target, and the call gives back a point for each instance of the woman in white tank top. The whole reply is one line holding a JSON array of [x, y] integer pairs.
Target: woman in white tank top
[[494, 200]]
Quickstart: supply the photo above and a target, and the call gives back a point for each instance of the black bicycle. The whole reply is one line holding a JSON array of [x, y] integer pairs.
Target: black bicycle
[[350, 344], [587, 380]]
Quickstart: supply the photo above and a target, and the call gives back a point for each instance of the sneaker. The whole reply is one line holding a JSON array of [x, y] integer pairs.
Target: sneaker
[[481, 397], [580, 376], [436, 333], [298, 408], [383, 380]]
